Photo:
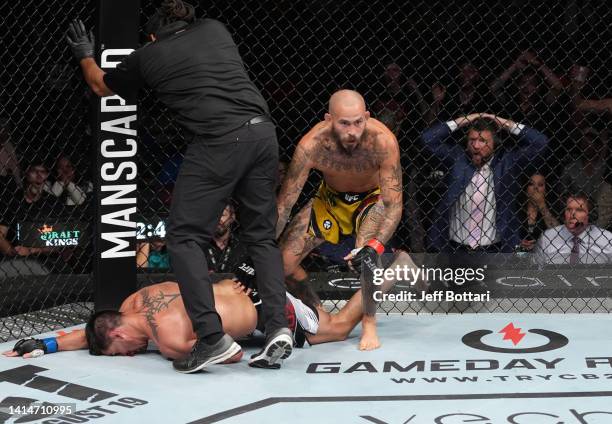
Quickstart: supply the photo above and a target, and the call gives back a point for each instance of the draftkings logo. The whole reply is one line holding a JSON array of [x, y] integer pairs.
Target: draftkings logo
[[515, 335], [59, 238]]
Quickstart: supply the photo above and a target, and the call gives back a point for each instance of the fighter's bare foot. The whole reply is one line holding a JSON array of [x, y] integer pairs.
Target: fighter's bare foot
[[369, 337], [369, 342]]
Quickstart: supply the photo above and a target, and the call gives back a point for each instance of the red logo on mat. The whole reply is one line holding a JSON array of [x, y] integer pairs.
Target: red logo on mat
[[512, 333]]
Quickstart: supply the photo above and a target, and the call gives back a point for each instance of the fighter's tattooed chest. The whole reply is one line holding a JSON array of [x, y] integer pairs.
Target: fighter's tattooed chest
[[327, 157]]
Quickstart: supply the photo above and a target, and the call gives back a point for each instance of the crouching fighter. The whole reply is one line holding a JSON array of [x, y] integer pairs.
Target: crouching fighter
[[361, 194]]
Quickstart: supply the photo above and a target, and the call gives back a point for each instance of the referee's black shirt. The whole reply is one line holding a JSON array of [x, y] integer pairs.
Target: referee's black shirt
[[197, 72]]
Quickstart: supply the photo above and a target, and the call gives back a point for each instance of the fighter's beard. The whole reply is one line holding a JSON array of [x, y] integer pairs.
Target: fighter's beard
[[336, 137], [221, 232]]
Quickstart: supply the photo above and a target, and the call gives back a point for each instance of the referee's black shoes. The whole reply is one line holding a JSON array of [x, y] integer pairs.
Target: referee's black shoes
[[226, 350], [278, 347]]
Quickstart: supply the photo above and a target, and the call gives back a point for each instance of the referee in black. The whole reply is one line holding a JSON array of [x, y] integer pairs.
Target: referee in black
[[195, 69]]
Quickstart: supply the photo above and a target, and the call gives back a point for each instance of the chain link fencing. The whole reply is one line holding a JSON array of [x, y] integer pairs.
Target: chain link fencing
[[418, 65], [45, 175]]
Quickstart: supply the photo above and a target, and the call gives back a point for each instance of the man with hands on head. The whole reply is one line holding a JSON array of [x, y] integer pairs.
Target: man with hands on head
[[479, 212]]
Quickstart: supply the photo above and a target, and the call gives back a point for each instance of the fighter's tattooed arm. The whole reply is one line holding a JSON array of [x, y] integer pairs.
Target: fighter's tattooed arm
[[391, 191], [294, 182], [371, 224], [296, 237], [154, 303]]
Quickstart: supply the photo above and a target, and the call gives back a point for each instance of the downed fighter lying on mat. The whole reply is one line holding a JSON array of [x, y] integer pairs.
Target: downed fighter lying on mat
[[157, 313]]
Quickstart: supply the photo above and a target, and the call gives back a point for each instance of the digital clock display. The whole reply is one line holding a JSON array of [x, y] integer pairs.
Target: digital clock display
[[147, 230]]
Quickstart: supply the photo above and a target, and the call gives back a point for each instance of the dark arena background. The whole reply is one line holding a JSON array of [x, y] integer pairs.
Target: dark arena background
[[544, 64]]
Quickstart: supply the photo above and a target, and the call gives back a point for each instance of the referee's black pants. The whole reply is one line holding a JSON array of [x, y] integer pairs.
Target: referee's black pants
[[243, 165]]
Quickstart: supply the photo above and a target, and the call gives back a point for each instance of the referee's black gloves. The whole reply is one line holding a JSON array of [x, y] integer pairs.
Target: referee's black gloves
[[80, 41]]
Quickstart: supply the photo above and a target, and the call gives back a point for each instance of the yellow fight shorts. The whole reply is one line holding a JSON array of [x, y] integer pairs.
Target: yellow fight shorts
[[335, 213]]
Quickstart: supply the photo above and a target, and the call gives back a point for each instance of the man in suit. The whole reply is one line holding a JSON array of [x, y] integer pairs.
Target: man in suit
[[577, 241], [478, 213]]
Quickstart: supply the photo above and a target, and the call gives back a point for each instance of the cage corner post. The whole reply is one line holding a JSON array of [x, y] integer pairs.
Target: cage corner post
[[115, 161]]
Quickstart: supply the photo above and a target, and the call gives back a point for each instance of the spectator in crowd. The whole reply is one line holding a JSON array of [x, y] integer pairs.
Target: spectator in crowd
[[590, 111], [32, 204], [537, 215], [579, 85], [576, 241], [536, 89], [466, 93], [587, 172], [530, 92], [578, 91], [604, 197], [604, 205], [10, 175], [401, 104], [65, 186], [576, 81], [479, 209], [603, 106], [402, 108], [153, 254], [224, 254]]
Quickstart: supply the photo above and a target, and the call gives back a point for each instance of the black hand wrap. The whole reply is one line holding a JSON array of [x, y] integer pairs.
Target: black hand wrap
[[80, 41], [24, 346], [366, 261], [360, 261], [245, 273]]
